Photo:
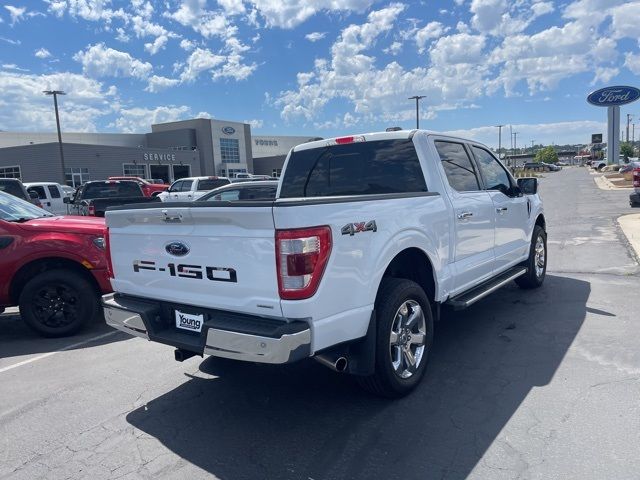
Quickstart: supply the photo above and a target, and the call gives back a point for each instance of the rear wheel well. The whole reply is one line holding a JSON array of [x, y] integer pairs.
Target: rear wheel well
[[542, 222], [413, 264], [30, 270]]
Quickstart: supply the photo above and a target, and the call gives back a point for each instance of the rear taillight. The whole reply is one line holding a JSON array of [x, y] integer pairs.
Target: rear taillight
[[301, 257], [92, 210], [345, 140], [107, 250], [636, 178]]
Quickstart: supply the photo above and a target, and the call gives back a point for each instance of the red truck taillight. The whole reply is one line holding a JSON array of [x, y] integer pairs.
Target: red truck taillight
[[301, 257], [636, 178], [91, 210], [107, 250]]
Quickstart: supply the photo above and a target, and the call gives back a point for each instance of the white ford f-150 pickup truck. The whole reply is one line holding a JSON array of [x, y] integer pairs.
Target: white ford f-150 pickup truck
[[368, 236]]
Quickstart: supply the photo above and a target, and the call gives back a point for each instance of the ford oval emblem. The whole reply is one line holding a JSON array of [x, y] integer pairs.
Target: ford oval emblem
[[228, 130], [177, 249], [613, 96]]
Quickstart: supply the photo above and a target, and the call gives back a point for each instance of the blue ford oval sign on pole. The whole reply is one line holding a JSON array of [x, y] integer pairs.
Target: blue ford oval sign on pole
[[612, 98]]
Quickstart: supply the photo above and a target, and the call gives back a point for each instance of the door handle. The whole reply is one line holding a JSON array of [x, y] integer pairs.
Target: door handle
[[501, 210], [464, 215]]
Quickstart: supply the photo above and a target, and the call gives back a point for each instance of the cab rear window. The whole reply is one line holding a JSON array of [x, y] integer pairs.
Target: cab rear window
[[363, 168]]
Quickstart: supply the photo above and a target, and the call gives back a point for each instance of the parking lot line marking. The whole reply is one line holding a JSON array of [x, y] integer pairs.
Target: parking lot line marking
[[68, 347]]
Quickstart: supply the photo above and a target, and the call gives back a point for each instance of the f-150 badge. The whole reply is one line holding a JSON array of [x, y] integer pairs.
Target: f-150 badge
[[353, 228]]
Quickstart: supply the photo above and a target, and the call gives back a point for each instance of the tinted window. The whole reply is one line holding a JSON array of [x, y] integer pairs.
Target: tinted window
[[495, 177], [110, 190], [40, 191], [13, 188], [458, 167], [53, 190], [175, 186], [384, 166], [259, 193], [210, 184], [186, 185]]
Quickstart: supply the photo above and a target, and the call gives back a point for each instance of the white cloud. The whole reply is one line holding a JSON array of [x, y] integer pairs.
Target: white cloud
[[42, 53], [232, 7], [457, 48], [604, 75], [632, 62], [394, 49], [122, 35], [504, 18], [256, 124], [187, 44], [92, 10], [135, 120], [291, 13], [157, 83], [16, 13], [429, 32], [100, 61], [200, 60], [13, 66], [315, 36], [624, 20], [11, 41], [24, 107], [157, 45]]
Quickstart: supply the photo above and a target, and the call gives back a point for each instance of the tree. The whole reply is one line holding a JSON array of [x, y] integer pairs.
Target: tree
[[547, 155], [626, 150]]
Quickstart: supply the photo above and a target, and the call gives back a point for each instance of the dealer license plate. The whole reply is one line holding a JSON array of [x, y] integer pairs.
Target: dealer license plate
[[189, 321]]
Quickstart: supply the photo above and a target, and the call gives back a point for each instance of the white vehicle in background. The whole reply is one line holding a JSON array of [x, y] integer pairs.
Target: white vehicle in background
[[50, 195], [191, 188], [367, 237]]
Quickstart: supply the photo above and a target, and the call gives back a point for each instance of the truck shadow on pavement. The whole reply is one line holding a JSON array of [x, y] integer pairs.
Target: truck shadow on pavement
[[17, 339], [303, 421]]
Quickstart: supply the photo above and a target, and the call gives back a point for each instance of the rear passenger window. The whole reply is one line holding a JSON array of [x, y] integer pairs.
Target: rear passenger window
[[363, 168], [186, 185], [458, 167], [53, 190]]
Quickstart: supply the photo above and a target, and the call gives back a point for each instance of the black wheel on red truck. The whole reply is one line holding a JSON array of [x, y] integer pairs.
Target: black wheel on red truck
[[58, 303], [404, 335]]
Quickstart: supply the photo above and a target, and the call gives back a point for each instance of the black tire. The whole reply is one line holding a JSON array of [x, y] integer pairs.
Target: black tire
[[395, 293], [58, 303], [534, 278]]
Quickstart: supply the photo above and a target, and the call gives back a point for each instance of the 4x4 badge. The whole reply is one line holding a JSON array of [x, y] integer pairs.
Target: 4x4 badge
[[353, 228]]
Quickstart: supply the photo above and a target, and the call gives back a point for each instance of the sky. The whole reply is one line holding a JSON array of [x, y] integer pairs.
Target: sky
[[320, 67]]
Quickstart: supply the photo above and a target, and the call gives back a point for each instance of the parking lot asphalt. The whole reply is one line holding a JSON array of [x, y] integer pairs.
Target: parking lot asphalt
[[524, 384]]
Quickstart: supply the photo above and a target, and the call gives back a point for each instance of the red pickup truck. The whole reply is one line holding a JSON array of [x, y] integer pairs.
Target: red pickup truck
[[54, 268], [148, 189]]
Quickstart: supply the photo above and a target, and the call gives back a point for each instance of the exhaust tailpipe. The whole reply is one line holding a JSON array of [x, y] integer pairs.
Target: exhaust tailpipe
[[335, 362]]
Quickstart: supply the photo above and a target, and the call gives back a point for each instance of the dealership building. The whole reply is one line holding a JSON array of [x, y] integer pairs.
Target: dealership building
[[170, 151]]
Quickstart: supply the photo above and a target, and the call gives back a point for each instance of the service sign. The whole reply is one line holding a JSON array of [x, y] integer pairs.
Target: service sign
[[613, 96]]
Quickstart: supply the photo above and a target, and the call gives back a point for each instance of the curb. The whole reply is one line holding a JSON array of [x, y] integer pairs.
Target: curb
[[604, 183], [630, 225]]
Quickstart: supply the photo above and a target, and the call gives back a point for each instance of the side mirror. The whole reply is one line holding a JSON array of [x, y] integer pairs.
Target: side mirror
[[33, 195], [66, 200], [528, 185]]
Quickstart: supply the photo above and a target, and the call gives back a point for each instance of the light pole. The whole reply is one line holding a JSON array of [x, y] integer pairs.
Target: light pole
[[515, 142], [499, 138], [628, 120], [55, 94], [532, 146], [417, 98]]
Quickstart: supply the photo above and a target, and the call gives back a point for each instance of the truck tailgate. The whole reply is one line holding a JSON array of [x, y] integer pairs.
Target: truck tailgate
[[220, 257]]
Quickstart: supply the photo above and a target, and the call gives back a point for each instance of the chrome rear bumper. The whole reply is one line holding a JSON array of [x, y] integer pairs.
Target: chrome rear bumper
[[131, 316]]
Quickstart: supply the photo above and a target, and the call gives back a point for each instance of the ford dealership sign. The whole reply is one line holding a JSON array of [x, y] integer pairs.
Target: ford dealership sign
[[228, 130], [613, 96]]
